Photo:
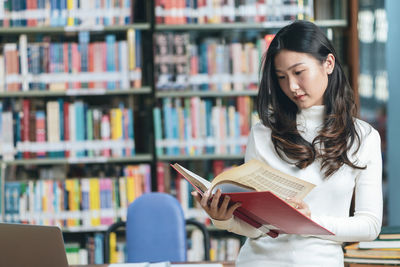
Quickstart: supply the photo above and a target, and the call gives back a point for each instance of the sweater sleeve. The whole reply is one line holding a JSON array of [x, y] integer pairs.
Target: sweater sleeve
[[239, 227], [366, 222], [234, 224]]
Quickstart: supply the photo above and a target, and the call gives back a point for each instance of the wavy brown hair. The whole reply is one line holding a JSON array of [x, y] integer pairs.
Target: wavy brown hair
[[278, 112]]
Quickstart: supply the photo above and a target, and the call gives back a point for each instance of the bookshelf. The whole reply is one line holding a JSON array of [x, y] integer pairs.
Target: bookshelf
[[336, 18], [245, 26], [72, 29], [91, 62], [87, 160], [145, 95], [82, 93]]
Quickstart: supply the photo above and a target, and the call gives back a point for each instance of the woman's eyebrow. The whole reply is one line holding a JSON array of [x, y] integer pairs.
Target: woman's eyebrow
[[294, 65]]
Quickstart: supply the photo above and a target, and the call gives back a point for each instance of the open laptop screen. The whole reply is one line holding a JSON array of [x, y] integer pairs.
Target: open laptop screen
[[31, 245]]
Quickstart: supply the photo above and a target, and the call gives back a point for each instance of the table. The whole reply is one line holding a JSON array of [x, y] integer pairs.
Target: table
[[180, 264]]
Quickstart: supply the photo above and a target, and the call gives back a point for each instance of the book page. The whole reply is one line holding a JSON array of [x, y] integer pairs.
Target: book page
[[197, 181], [262, 177], [230, 188]]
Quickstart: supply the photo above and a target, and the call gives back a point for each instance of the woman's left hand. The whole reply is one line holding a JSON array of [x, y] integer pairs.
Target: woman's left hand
[[300, 205]]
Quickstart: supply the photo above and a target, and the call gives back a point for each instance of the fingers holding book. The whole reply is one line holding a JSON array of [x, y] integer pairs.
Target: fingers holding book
[[300, 205], [217, 207]]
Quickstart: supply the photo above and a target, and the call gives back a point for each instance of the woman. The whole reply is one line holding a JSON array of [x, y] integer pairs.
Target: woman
[[308, 129]]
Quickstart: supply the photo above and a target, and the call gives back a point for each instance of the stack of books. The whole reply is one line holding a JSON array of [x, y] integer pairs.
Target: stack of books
[[385, 247]]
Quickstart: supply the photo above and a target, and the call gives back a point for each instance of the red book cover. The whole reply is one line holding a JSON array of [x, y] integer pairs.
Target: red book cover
[[244, 116], [103, 51], [76, 64], [25, 125], [265, 208], [262, 209], [92, 47], [66, 62], [32, 5], [218, 167], [160, 177], [40, 131], [158, 11], [12, 65]]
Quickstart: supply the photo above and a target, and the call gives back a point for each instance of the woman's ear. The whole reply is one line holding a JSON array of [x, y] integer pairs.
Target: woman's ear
[[329, 63]]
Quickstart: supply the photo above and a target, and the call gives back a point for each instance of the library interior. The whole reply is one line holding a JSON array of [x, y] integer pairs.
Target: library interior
[[116, 115]]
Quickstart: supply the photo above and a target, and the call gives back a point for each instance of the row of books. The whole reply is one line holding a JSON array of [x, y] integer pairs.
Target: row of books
[[91, 253], [117, 249], [194, 126], [33, 13], [221, 249], [211, 64], [66, 129], [372, 35], [224, 249], [228, 11], [56, 66], [386, 246], [84, 203]]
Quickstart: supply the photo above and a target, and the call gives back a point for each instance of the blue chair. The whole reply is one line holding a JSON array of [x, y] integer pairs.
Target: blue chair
[[156, 230]]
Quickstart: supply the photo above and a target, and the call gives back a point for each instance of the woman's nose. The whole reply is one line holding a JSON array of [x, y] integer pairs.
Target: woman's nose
[[293, 85]]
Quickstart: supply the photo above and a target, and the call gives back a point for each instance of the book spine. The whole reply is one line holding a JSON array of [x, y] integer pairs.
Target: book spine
[[110, 44], [116, 129], [72, 127], [160, 177], [106, 133], [25, 124], [89, 130], [80, 125], [85, 191], [66, 109]]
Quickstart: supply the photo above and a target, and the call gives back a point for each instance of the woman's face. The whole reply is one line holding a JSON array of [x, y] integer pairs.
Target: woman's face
[[302, 77]]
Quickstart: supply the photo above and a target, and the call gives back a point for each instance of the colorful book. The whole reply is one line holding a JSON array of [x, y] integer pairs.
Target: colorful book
[[263, 206]]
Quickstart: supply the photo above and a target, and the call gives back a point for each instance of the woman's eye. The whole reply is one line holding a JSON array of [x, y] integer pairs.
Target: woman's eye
[[281, 77], [298, 72]]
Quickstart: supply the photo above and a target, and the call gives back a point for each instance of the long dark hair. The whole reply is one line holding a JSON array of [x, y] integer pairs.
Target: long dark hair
[[278, 112]]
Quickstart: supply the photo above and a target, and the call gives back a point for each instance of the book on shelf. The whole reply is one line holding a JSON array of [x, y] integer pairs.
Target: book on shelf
[[214, 12], [390, 232], [197, 126], [354, 250], [263, 191], [66, 13], [64, 129], [380, 244], [72, 66], [224, 248], [91, 253], [214, 64], [76, 204]]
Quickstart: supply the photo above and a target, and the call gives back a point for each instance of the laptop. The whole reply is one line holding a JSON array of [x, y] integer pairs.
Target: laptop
[[24, 245]]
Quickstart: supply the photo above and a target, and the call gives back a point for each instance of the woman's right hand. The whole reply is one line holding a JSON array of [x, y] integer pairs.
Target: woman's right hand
[[214, 210]]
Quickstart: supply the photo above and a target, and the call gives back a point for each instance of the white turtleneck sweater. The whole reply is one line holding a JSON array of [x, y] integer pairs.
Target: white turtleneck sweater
[[329, 201]]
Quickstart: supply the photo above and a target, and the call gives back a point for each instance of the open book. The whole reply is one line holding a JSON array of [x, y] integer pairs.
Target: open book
[[262, 190]]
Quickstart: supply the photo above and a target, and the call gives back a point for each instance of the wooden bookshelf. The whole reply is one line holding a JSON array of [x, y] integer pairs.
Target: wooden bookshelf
[[83, 160], [339, 23], [208, 93], [78, 92], [201, 157], [72, 29]]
